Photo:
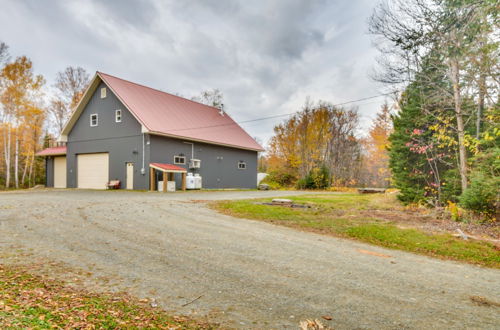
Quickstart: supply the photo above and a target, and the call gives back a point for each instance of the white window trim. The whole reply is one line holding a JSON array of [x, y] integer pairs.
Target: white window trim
[[180, 163], [96, 120], [118, 116], [103, 92], [244, 165]]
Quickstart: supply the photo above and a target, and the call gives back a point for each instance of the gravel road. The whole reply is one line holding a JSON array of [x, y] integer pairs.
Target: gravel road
[[248, 274]]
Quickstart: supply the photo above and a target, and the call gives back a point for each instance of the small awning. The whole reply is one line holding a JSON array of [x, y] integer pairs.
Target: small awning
[[167, 168], [54, 151]]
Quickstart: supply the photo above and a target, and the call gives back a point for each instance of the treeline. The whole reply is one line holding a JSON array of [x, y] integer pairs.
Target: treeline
[[321, 146], [444, 55], [32, 114]]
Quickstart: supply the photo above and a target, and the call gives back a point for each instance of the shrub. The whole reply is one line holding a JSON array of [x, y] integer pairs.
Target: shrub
[[317, 178], [482, 195], [279, 179]]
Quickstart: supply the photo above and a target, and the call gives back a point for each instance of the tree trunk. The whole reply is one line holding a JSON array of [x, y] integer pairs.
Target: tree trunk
[[462, 153], [480, 103], [16, 162], [31, 170], [25, 170], [7, 156]]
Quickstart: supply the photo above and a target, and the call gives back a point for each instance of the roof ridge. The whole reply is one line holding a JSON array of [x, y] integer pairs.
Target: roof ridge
[[158, 90]]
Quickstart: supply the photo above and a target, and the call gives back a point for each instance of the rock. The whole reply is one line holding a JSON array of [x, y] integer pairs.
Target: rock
[[263, 186], [282, 201]]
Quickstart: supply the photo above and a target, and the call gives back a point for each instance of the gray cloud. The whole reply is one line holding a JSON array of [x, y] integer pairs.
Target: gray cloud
[[265, 56]]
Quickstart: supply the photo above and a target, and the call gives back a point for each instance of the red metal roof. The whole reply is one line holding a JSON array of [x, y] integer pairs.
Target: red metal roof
[[170, 115], [54, 151], [167, 167]]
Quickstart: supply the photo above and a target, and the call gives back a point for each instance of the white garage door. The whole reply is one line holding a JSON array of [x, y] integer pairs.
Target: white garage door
[[59, 172], [93, 170]]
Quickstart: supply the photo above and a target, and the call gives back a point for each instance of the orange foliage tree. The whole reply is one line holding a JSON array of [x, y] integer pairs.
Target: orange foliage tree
[[320, 136], [22, 117], [376, 159]]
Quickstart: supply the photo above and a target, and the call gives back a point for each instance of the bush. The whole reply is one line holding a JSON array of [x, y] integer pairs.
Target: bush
[[279, 179], [482, 195], [317, 178]]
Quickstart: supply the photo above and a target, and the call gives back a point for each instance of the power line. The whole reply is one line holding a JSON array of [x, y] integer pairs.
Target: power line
[[278, 116]]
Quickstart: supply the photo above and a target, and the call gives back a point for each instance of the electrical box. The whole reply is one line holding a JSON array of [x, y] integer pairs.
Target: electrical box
[[194, 163]]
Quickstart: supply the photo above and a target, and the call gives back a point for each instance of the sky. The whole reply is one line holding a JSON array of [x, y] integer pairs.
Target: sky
[[265, 56]]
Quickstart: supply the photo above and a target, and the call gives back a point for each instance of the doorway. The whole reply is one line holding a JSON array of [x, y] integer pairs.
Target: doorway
[[130, 176]]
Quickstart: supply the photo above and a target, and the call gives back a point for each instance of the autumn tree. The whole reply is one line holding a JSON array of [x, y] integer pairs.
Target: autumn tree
[[452, 37], [69, 88], [21, 107], [319, 141], [376, 159]]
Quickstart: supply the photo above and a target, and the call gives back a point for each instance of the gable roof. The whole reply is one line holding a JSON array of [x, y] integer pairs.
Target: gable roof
[[165, 114]]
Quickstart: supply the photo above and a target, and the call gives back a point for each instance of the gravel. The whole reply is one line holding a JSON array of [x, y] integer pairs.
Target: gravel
[[242, 273]]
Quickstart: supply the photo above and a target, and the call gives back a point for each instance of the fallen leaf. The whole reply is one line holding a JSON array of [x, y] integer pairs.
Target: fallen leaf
[[374, 253], [327, 317]]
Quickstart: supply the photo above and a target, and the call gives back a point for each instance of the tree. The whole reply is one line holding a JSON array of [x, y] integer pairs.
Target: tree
[[69, 88], [408, 32], [376, 161], [319, 139], [211, 97], [20, 98], [444, 35]]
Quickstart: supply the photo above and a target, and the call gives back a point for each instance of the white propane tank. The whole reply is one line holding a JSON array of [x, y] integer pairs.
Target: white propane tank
[[190, 181], [197, 181]]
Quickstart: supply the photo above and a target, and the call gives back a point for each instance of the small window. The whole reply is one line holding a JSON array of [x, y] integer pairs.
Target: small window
[[103, 92], [242, 165], [180, 160], [118, 116], [93, 119]]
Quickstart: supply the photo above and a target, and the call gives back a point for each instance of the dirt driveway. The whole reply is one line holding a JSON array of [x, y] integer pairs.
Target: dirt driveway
[[245, 273]]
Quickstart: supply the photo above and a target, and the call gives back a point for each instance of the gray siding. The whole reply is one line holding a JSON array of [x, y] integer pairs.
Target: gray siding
[[123, 141], [219, 164], [49, 171]]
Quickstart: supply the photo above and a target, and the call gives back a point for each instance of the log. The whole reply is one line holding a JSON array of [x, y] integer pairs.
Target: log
[[371, 190]]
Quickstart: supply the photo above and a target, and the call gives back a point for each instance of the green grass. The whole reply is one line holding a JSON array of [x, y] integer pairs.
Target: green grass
[[31, 301], [349, 216]]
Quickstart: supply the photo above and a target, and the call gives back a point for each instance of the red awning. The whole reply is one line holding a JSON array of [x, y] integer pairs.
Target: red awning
[[54, 151], [167, 168]]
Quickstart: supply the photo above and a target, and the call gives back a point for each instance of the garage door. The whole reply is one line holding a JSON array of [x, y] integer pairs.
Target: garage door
[[59, 172], [93, 170]]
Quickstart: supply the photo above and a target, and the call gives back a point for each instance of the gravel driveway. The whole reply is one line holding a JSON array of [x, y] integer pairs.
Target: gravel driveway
[[247, 274]]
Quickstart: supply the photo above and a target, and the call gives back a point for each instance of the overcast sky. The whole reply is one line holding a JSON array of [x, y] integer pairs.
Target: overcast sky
[[265, 56]]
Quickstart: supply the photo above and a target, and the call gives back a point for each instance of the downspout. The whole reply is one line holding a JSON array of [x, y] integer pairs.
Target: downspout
[[143, 170]]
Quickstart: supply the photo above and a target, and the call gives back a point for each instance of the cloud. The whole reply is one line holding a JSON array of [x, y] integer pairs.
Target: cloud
[[265, 56]]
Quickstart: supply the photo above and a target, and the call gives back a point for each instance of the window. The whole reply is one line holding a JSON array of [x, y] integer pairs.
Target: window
[[103, 92], [242, 165], [93, 119], [180, 160], [118, 116]]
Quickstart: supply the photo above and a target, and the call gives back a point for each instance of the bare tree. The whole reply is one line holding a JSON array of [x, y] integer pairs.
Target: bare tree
[[70, 85], [211, 97]]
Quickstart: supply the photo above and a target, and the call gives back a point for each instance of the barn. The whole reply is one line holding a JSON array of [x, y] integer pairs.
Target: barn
[[144, 138]]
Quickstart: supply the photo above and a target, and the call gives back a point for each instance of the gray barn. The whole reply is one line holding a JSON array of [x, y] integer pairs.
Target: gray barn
[[125, 132]]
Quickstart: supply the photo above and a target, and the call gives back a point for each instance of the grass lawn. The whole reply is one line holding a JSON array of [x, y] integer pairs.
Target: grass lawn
[[31, 301], [368, 218]]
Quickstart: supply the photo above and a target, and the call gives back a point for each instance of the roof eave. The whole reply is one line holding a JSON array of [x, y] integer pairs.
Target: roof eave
[[204, 141]]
